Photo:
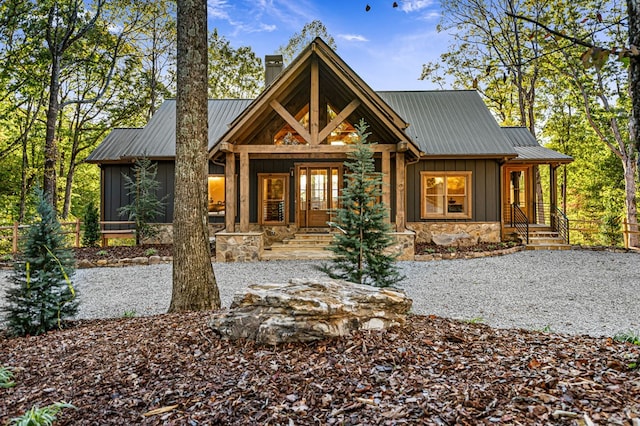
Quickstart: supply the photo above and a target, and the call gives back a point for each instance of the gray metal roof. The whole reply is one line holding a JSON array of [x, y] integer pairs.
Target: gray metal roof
[[441, 123], [114, 145], [449, 123], [158, 138], [529, 149]]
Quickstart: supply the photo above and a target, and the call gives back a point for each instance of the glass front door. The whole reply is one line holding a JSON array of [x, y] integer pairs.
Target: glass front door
[[318, 190]]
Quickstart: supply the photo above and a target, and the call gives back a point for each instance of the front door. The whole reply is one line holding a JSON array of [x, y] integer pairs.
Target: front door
[[318, 190], [516, 191]]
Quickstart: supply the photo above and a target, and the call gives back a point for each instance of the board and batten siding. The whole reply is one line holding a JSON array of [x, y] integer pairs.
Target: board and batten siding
[[115, 194], [485, 182]]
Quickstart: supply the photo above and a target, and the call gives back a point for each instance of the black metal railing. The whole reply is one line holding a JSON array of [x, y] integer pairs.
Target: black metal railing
[[520, 221], [560, 224]]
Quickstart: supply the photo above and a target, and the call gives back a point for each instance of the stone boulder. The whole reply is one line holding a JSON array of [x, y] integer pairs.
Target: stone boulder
[[305, 310], [461, 239]]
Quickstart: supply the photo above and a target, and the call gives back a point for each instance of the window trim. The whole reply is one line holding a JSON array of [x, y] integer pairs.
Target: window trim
[[465, 214]]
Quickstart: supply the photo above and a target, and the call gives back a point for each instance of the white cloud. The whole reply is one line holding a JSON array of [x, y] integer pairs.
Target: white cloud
[[415, 5], [352, 37], [217, 9]]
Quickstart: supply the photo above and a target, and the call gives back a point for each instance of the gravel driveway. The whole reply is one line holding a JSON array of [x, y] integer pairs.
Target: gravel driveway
[[574, 291]]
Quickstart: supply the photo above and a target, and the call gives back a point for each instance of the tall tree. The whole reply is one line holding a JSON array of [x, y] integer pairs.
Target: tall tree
[[233, 73], [194, 283], [299, 41]]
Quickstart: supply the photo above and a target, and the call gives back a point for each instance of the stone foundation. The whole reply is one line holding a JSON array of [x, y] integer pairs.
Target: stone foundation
[[484, 232], [404, 245], [273, 234], [239, 246], [165, 233]]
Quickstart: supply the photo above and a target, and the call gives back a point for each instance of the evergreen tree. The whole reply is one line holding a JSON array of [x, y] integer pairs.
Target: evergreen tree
[[360, 246], [91, 222], [41, 295], [146, 205]]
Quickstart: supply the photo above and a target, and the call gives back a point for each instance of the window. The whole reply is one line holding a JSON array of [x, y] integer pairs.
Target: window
[[273, 192], [215, 205], [446, 195]]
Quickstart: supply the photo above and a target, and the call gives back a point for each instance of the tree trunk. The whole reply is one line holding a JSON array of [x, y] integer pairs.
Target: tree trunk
[[194, 283], [630, 197], [50, 144], [634, 76]]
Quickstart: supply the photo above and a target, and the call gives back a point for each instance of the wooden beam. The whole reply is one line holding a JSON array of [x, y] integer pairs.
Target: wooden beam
[[400, 193], [244, 192], [314, 102], [386, 182], [303, 149], [226, 147], [291, 120], [338, 119], [230, 192], [402, 146]]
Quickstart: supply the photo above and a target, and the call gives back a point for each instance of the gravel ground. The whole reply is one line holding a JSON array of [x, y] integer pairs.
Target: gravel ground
[[574, 291]]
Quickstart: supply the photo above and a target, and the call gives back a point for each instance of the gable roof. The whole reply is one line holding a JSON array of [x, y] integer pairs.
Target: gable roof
[[529, 149], [450, 123], [338, 76]]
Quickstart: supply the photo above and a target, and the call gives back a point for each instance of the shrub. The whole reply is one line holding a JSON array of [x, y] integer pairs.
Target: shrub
[[91, 224], [6, 376], [41, 294]]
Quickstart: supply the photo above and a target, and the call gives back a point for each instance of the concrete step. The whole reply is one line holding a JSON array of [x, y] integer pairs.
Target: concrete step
[[295, 253]]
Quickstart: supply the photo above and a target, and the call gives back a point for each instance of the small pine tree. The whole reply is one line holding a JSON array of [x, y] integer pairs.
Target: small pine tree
[[146, 206], [41, 295], [91, 223], [360, 247]]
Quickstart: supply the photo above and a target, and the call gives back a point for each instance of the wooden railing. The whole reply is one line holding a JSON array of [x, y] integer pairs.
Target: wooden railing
[[629, 229], [108, 230]]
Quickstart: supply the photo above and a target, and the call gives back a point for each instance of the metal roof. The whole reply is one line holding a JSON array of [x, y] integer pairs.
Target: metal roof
[[158, 138], [114, 145], [441, 123], [529, 149], [449, 123]]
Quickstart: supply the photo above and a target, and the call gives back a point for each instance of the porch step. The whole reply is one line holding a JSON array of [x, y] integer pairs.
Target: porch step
[[303, 246], [546, 240]]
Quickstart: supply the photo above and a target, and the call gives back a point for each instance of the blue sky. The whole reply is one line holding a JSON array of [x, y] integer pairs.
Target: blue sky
[[386, 46]]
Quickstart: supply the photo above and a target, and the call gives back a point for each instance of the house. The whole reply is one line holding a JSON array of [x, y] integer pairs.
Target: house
[[276, 162]]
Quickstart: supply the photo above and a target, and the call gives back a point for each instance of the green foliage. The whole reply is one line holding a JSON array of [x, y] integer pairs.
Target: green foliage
[[91, 223], [632, 337], [233, 73], [150, 252], [41, 295], [6, 374], [359, 248], [129, 313], [146, 206], [301, 40], [44, 416], [476, 320]]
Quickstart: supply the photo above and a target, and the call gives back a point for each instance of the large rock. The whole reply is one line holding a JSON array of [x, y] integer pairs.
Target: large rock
[[304, 310], [461, 239]]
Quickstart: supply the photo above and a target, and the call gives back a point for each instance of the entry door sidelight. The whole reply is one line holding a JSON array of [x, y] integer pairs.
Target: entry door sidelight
[[318, 190]]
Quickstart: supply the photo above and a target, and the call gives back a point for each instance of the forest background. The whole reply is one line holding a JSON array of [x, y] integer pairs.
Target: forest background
[[73, 70]]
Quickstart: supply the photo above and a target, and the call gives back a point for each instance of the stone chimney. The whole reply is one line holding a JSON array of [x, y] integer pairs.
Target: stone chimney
[[273, 67]]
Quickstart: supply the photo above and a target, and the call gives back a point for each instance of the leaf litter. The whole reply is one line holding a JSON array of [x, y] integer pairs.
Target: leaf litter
[[173, 370]]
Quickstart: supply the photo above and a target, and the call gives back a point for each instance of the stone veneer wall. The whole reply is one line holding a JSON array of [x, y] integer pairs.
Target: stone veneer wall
[[485, 232], [165, 233], [404, 245], [239, 246], [274, 234]]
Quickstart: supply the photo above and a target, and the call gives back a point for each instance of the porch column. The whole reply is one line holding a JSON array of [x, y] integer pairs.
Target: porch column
[[244, 192], [400, 193], [230, 192], [386, 181], [553, 193]]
